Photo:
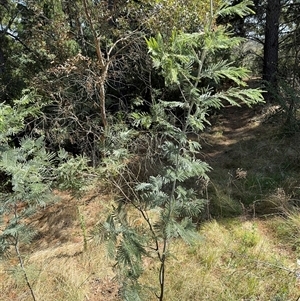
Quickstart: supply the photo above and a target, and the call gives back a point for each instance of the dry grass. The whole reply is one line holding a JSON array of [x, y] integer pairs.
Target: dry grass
[[55, 262], [235, 260], [268, 159], [57, 275], [238, 259]]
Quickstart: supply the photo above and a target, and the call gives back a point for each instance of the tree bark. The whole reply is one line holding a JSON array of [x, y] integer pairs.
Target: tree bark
[[103, 67], [271, 45], [2, 62]]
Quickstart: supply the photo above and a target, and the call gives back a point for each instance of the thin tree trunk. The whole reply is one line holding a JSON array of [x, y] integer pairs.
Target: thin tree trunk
[[271, 45], [103, 66], [23, 269], [102, 81], [17, 249]]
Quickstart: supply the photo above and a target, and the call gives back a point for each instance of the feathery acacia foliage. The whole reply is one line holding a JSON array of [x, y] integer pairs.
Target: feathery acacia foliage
[[30, 174], [165, 203]]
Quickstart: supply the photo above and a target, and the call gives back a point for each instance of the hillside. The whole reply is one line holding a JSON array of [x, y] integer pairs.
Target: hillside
[[250, 255]]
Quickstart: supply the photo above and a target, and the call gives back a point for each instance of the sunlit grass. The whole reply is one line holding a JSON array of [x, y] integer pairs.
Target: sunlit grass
[[237, 259], [234, 261], [56, 264], [62, 276]]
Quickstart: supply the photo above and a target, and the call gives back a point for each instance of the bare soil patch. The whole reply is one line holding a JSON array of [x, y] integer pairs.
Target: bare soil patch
[[230, 126]]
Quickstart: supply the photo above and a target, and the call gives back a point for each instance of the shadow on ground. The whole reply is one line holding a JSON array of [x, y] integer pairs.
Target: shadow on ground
[[254, 166]]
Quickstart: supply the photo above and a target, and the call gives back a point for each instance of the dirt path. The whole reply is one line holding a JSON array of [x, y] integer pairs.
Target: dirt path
[[231, 126]]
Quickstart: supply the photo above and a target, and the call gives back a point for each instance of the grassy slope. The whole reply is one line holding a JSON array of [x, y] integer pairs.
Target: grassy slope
[[242, 258], [237, 259]]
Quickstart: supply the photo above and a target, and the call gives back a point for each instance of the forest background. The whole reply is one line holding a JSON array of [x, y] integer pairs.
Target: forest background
[[121, 100]]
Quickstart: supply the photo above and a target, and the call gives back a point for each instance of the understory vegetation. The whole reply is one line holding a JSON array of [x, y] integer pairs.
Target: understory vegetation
[[143, 157], [235, 259]]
